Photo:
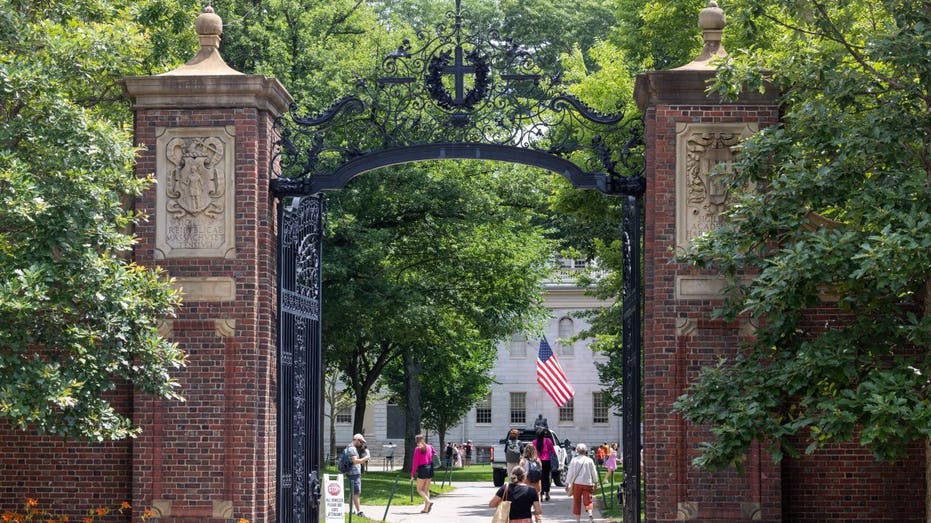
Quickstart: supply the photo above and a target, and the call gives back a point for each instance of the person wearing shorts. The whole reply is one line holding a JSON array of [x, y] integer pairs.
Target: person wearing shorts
[[359, 455]]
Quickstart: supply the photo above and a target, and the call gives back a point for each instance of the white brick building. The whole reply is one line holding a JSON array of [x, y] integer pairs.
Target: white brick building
[[516, 399]]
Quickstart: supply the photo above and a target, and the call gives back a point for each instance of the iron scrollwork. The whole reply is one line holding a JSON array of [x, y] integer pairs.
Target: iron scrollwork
[[457, 85]]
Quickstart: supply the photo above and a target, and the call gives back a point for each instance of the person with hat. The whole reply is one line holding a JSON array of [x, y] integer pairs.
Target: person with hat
[[359, 454]]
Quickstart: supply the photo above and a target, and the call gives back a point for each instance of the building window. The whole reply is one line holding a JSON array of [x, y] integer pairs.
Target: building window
[[396, 420], [567, 412], [599, 407], [344, 414], [566, 331], [517, 346], [483, 410], [518, 408]]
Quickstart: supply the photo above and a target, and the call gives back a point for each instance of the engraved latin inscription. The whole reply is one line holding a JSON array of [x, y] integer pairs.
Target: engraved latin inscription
[[195, 175]]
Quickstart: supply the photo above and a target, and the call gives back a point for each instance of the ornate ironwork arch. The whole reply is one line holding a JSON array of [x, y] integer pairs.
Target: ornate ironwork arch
[[459, 94]]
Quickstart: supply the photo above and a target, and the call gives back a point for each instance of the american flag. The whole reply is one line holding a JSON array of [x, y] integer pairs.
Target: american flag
[[551, 377]]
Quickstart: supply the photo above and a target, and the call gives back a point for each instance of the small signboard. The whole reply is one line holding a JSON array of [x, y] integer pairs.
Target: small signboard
[[334, 504]]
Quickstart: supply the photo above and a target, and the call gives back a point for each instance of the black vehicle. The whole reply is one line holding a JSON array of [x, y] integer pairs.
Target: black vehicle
[[525, 436]]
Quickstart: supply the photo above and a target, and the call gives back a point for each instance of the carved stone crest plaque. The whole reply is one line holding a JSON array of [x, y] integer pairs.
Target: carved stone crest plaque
[[703, 152], [196, 188]]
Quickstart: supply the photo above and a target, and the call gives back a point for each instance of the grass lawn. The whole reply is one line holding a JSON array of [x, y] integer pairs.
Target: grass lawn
[[606, 493], [378, 486]]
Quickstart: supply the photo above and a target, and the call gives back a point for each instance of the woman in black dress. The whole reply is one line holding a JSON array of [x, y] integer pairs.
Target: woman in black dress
[[525, 502]]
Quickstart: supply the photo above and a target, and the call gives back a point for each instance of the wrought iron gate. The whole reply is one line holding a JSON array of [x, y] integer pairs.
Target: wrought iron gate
[[509, 110], [300, 361]]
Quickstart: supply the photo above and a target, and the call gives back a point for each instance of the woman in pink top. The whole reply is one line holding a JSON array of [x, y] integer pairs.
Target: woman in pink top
[[545, 451], [422, 469]]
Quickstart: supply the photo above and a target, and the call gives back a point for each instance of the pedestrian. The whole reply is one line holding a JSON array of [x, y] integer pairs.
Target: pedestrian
[[600, 454], [422, 470], [512, 450], [358, 454], [468, 452], [457, 456], [533, 467], [449, 454], [525, 502], [611, 462], [580, 482], [547, 454]]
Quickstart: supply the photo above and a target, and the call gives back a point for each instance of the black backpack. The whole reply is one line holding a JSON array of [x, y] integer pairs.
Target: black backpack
[[534, 471]]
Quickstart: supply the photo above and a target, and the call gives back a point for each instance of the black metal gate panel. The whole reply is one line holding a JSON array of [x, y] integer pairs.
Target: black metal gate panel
[[406, 112], [300, 358]]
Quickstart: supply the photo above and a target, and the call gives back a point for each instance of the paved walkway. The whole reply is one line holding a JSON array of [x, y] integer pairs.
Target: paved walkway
[[469, 504]]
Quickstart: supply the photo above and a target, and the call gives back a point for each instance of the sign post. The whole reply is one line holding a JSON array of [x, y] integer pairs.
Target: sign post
[[334, 504]]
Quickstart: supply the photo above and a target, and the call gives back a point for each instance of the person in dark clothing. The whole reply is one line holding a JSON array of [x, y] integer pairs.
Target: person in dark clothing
[[449, 454], [546, 452], [525, 502]]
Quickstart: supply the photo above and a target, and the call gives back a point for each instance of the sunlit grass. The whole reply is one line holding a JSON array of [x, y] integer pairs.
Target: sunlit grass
[[379, 486]]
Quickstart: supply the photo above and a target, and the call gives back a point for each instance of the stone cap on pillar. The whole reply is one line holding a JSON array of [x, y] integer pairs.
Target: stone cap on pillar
[[688, 84], [712, 21], [206, 80], [207, 61]]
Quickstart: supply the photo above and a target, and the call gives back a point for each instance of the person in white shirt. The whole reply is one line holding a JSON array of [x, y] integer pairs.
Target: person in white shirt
[[580, 482]]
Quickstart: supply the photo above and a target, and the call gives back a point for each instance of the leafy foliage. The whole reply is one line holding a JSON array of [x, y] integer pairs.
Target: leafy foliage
[[420, 258], [839, 207], [76, 318]]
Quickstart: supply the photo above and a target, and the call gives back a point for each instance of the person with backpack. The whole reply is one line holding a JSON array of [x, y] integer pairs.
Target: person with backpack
[[533, 467], [350, 463], [512, 451]]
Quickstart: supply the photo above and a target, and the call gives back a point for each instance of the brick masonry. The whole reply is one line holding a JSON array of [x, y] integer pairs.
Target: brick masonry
[[842, 483], [212, 457]]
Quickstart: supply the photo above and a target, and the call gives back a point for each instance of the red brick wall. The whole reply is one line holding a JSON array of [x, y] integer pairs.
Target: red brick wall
[[66, 477], [845, 483], [219, 444], [672, 361]]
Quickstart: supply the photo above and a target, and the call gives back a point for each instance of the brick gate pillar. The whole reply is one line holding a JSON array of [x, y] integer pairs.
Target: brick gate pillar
[[206, 134], [688, 133]]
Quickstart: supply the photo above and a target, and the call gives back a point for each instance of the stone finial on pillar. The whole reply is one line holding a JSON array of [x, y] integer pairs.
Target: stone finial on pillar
[[712, 22], [209, 27]]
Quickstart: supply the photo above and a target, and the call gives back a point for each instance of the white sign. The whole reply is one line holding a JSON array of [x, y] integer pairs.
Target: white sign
[[334, 506]]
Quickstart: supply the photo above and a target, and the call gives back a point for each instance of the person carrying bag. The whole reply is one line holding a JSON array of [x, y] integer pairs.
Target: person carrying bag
[[581, 479], [503, 511], [516, 502]]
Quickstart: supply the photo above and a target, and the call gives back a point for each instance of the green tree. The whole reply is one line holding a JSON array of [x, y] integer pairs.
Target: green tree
[[588, 223], [316, 49], [546, 29], [456, 372], [415, 252], [838, 204], [77, 318]]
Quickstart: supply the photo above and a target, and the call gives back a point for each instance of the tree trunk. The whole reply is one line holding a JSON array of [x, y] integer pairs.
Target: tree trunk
[[358, 414], [331, 399], [441, 433], [412, 408]]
